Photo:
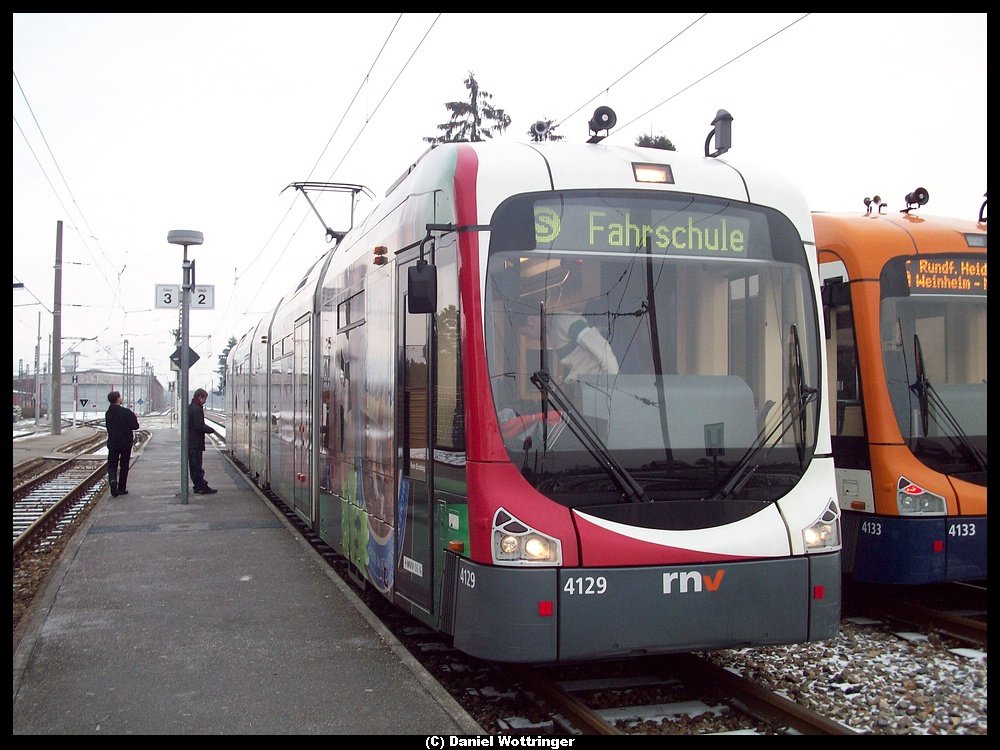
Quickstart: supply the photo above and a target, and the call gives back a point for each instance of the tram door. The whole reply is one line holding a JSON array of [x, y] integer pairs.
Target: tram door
[[414, 574], [302, 418]]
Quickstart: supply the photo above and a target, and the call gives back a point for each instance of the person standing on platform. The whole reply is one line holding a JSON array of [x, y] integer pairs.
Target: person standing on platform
[[197, 429], [119, 421]]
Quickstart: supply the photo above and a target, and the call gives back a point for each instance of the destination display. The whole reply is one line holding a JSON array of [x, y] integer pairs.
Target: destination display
[[691, 230], [946, 275]]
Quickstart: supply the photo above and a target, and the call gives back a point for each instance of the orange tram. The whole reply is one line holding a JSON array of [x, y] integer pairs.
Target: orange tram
[[904, 302]]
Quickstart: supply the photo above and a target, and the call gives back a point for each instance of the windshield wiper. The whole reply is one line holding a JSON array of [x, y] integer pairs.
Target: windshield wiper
[[793, 411], [586, 435], [927, 396], [766, 440]]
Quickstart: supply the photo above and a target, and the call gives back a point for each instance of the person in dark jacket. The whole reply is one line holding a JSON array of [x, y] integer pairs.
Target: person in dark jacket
[[197, 429], [120, 422]]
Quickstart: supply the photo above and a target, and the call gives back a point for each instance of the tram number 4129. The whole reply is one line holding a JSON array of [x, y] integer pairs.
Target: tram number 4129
[[586, 585]]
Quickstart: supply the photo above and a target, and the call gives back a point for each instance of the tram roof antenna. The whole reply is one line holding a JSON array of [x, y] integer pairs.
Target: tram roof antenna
[[331, 187]]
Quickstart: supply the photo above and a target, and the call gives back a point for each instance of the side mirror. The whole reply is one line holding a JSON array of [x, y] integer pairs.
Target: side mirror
[[421, 290]]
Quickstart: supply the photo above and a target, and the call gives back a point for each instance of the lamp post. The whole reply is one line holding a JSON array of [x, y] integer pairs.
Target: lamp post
[[185, 237]]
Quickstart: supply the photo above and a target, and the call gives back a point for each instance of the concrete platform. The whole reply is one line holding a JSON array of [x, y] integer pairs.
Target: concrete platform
[[212, 617]]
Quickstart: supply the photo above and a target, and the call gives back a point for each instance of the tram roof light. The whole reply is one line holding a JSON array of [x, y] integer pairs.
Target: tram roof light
[[660, 173]]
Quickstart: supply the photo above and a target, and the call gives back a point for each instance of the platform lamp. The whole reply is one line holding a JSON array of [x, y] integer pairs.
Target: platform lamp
[[185, 237]]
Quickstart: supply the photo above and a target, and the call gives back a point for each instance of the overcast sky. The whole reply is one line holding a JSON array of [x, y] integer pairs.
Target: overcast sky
[[127, 126]]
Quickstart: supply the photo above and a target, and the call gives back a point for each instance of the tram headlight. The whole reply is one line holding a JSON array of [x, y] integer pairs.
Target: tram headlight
[[914, 500], [823, 534], [538, 548], [515, 543], [509, 545]]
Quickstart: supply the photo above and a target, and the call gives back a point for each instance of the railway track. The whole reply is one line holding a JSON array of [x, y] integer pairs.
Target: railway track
[[33, 469], [51, 492], [669, 695], [678, 694], [965, 628], [816, 688], [957, 610]]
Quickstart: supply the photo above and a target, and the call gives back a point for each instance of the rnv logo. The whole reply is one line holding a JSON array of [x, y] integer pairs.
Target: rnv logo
[[686, 581]]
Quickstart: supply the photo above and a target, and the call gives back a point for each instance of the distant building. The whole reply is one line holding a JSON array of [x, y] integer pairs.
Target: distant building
[[88, 396]]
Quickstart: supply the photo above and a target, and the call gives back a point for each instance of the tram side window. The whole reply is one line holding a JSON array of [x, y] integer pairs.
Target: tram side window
[[450, 427], [324, 406], [849, 406], [348, 390]]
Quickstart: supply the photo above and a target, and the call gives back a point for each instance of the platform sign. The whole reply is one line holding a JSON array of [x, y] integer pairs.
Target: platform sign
[[169, 296], [203, 298], [175, 358]]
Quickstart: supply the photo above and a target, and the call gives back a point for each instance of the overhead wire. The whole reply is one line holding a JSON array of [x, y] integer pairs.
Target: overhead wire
[[622, 77], [729, 62], [37, 301], [48, 148], [347, 152], [632, 69], [239, 273], [336, 129], [386, 94], [238, 276], [114, 288], [620, 128]]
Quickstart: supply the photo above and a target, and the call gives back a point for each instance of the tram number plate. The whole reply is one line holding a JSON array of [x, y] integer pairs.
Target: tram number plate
[[585, 585], [872, 528]]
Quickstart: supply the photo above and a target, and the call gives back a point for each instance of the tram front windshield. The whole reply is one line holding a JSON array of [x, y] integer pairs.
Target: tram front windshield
[[933, 342], [651, 347]]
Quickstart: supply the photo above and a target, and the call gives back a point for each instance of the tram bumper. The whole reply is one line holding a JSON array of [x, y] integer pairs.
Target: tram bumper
[[514, 614], [914, 551]]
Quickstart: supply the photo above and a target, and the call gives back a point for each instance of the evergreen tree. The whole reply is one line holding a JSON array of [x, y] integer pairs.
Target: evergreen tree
[[473, 120], [222, 366], [660, 141]]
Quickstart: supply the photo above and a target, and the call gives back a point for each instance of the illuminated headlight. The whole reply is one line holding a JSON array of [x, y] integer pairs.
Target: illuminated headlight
[[515, 543], [823, 534], [914, 500]]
